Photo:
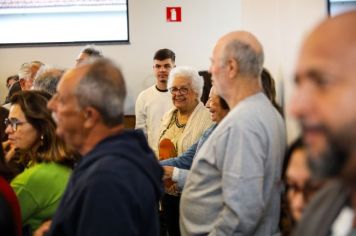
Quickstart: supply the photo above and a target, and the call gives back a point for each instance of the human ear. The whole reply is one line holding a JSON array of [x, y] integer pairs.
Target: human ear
[[91, 117]]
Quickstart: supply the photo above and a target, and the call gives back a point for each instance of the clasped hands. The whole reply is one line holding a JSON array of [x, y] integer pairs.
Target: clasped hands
[[170, 187]]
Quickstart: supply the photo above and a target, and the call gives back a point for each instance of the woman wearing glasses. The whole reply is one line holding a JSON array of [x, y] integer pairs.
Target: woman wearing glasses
[[47, 161], [300, 186], [181, 127]]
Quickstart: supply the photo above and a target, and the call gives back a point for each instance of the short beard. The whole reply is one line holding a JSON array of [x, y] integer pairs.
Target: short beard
[[332, 161], [329, 164]]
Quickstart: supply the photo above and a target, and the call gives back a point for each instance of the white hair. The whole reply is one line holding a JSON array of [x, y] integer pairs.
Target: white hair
[[188, 73]]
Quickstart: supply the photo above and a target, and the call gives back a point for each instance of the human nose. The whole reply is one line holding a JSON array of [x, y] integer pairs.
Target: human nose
[[299, 201], [52, 103], [162, 68], [301, 101], [9, 129], [207, 104]]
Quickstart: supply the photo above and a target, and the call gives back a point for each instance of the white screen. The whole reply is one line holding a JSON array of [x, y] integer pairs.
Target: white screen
[[64, 21], [340, 6]]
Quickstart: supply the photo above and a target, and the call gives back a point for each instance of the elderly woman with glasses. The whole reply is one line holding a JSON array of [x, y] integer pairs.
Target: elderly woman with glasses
[[181, 127], [47, 161]]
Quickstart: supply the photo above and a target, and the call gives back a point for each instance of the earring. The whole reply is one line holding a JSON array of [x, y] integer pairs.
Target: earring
[[41, 140]]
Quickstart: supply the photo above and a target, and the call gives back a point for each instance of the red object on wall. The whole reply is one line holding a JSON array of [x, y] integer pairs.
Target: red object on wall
[[174, 14]]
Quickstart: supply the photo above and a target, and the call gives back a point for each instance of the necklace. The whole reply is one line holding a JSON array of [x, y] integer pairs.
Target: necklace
[[173, 127], [179, 125]]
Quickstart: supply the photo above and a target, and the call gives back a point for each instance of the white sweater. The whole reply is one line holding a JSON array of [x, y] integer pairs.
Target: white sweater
[[151, 105], [197, 123]]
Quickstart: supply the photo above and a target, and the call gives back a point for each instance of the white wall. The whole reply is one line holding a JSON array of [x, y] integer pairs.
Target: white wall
[[279, 24]]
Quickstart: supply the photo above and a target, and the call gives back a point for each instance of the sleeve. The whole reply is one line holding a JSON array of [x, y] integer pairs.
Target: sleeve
[[108, 205], [242, 169], [179, 176], [140, 115], [184, 161], [28, 204]]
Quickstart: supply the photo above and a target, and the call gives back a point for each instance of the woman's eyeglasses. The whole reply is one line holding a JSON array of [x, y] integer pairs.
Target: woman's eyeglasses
[[182, 90], [13, 122], [307, 190]]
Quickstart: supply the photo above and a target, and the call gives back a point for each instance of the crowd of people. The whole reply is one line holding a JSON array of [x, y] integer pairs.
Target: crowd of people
[[208, 155]]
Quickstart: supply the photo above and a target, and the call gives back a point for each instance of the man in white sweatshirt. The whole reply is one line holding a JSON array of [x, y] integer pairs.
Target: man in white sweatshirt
[[153, 102]]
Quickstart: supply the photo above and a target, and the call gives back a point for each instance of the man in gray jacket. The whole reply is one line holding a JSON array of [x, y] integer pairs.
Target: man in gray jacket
[[233, 187]]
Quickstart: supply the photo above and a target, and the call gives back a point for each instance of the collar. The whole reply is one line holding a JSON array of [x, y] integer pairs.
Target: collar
[[161, 90]]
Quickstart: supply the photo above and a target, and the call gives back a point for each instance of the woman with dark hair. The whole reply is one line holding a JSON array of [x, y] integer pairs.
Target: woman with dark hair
[[269, 89], [10, 215], [299, 186], [47, 160], [207, 85]]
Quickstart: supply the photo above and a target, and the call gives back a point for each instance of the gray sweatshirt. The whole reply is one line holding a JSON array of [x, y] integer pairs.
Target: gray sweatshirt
[[234, 184]]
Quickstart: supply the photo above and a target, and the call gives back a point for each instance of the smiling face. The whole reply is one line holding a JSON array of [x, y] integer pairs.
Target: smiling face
[[161, 70], [214, 106], [325, 92], [25, 136], [183, 96]]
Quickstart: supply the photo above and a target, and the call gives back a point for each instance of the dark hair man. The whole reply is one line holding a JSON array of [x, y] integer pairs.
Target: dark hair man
[[153, 102]]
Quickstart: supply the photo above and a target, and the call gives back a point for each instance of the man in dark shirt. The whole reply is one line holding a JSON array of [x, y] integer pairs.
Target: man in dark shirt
[[116, 186]]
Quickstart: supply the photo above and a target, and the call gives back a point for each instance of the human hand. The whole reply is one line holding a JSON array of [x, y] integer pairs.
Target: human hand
[[168, 172], [9, 150], [43, 229], [172, 189]]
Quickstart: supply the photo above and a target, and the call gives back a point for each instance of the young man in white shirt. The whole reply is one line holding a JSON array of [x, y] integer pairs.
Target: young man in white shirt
[[153, 102]]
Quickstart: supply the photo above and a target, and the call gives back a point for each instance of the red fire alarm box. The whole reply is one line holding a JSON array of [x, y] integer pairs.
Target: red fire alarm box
[[174, 14]]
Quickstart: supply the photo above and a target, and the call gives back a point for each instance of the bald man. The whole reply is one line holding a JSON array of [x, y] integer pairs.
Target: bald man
[[233, 185], [324, 104]]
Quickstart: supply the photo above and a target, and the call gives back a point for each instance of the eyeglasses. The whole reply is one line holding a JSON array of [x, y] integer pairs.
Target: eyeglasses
[[13, 122], [182, 90], [307, 191]]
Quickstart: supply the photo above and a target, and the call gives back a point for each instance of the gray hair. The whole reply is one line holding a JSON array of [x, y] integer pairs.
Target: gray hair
[[24, 71], [47, 79], [103, 87], [28, 70], [250, 62], [189, 73]]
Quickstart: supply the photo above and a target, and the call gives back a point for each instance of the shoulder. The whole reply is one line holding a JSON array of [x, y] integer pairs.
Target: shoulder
[[42, 173], [167, 116], [6, 190], [201, 113], [148, 91], [111, 175]]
